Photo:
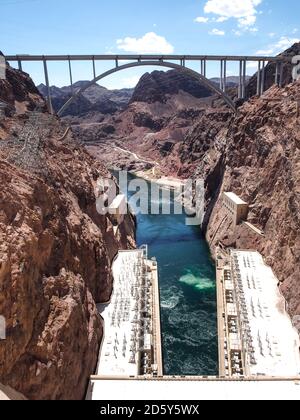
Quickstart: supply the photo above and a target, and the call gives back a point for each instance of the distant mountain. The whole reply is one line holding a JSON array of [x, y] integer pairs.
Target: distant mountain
[[158, 86], [231, 81], [95, 99]]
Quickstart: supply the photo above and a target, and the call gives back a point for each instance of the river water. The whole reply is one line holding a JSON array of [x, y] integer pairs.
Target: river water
[[188, 293]]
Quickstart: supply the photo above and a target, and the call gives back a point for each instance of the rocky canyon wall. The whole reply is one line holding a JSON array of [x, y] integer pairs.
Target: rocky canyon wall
[[56, 251], [259, 161]]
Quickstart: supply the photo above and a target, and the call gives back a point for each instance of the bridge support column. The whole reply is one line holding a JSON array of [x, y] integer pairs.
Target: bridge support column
[[48, 87], [20, 65], [281, 75], [240, 90], [277, 74], [223, 75], [258, 79], [263, 74], [94, 68], [203, 68], [70, 74], [244, 66]]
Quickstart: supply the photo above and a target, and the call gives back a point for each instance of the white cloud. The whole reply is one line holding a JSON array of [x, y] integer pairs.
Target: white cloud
[[244, 11], [201, 19], [247, 21], [222, 19], [281, 45], [265, 52], [237, 33], [217, 32], [150, 43], [285, 43]]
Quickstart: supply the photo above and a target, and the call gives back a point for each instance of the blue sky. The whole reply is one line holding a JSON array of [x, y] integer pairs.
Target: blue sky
[[245, 27]]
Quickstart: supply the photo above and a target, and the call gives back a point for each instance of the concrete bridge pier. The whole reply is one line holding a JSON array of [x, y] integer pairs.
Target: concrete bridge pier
[[242, 79], [70, 74], [223, 75], [261, 77], [263, 74], [258, 79], [279, 74], [94, 67], [50, 108], [244, 70], [203, 68], [20, 65]]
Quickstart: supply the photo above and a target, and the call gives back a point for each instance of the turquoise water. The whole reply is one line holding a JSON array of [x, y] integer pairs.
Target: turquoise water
[[188, 293]]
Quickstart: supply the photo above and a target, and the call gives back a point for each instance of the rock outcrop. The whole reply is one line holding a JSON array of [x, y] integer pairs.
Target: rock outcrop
[[163, 107], [257, 157], [159, 85], [56, 251]]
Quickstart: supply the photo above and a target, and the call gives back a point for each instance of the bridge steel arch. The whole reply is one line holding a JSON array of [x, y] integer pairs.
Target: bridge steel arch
[[195, 75]]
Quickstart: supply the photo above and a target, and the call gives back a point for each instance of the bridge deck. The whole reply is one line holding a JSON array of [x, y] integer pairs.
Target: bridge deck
[[106, 57]]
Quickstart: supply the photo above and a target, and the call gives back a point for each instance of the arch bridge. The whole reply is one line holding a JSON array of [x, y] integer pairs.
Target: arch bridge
[[178, 62]]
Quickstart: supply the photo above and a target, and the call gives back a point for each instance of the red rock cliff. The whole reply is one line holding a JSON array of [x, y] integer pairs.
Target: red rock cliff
[[55, 250], [258, 159]]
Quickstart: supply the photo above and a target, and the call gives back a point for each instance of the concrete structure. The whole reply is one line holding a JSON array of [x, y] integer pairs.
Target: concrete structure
[[131, 344], [196, 389], [236, 207], [256, 335], [165, 61], [254, 228], [118, 208]]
